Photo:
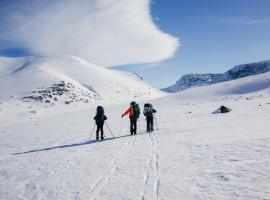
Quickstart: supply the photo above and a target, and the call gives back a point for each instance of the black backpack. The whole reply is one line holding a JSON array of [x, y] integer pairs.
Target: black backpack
[[224, 109], [100, 114]]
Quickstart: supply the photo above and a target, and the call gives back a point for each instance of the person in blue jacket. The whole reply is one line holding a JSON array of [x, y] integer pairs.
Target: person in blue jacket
[[148, 113]]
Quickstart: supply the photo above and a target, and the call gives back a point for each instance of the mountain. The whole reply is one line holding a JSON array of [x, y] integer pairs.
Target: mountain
[[194, 153], [238, 71], [53, 80]]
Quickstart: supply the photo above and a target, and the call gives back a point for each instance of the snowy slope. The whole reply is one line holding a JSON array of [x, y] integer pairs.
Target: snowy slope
[[238, 71], [23, 76], [33, 86], [229, 88], [194, 154]]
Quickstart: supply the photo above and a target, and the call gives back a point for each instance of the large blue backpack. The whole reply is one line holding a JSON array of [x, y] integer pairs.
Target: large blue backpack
[[148, 110]]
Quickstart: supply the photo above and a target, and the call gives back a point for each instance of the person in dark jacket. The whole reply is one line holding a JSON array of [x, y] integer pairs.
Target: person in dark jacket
[[134, 113], [148, 113], [100, 118]]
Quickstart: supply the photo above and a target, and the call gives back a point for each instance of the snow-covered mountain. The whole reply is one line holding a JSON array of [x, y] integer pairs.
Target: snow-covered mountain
[[193, 153], [67, 80], [239, 71]]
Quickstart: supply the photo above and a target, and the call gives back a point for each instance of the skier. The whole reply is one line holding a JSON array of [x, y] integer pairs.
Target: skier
[[134, 114], [148, 113], [100, 118]]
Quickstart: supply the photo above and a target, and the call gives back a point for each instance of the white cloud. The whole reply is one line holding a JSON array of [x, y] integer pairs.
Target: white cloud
[[105, 32]]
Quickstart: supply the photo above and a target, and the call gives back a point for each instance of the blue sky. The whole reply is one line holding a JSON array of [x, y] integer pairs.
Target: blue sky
[[214, 36]]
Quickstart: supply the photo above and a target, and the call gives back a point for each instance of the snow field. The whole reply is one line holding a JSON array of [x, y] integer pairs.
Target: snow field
[[195, 154]]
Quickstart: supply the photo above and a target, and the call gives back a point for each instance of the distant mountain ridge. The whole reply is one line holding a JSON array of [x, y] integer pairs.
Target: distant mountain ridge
[[239, 71]]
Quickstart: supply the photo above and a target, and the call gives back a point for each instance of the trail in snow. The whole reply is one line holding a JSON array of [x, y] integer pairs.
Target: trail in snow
[[151, 173], [101, 181], [194, 156], [145, 184], [156, 164]]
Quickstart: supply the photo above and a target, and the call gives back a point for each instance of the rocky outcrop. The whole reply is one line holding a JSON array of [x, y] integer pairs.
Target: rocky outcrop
[[63, 91]]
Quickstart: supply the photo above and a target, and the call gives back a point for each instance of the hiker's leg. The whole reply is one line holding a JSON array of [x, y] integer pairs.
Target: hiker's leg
[[151, 123], [131, 127], [135, 126], [97, 133], [148, 124], [102, 133]]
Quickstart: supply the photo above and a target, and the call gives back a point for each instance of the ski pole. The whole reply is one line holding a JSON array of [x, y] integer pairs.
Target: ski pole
[[121, 125], [109, 128], [156, 122], [138, 122], [92, 132]]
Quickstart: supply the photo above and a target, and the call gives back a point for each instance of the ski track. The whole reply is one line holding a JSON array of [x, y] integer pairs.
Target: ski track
[[101, 181], [147, 172], [153, 164], [145, 183]]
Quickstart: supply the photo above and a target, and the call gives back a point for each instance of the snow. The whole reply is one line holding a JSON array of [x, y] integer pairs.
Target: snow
[[193, 155], [25, 80], [22, 75], [239, 71]]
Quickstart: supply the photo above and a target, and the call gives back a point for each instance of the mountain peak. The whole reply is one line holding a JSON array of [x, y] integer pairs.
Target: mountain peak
[[68, 79], [239, 71]]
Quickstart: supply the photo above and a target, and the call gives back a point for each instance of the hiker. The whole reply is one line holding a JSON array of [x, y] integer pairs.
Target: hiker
[[100, 118], [148, 113], [134, 114]]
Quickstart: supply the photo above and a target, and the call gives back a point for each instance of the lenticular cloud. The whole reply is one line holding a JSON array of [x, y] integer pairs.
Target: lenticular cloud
[[105, 32]]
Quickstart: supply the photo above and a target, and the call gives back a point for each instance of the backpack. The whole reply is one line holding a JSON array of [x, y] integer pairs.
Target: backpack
[[136, 111], [100, 114], [148, 109], [224, 109]]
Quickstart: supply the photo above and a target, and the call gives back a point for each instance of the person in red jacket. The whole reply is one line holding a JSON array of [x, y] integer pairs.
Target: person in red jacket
[[134, 113]]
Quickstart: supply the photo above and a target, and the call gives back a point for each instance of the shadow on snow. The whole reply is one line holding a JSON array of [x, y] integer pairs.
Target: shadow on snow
[[74, 145]]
